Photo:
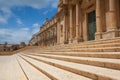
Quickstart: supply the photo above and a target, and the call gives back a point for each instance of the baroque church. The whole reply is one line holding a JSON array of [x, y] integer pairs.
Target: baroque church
[[78, 21]]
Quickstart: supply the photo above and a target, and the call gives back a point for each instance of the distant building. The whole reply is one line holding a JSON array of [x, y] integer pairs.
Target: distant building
[[11, 47], [22, 45], [2, 48], [34, 40]]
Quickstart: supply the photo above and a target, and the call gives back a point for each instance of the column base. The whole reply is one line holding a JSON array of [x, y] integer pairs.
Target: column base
[[70, 41], [98, 35], [111, 34], [65, 42], [78, 40], [75, 41], [61, 44]]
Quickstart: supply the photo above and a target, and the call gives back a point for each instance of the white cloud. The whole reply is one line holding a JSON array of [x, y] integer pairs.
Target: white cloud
[[6, 5], [18, 35], [25, 29], [31, 3], [36, 27], [14, 36], [21, 34], [45, 12], [5, 14], [3, 20], [55, 4], [19, 22]]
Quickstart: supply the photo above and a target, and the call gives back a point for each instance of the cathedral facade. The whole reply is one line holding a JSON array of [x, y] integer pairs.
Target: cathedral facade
[[80, 20]]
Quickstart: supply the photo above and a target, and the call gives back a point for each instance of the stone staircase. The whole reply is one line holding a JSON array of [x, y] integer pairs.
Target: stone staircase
[[111, 45], [93, 60], [93, 66]]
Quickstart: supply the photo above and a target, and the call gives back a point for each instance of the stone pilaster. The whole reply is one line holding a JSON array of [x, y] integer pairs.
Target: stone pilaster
[[112, 15], [98, 34], [58, 32], [112, 30], [71, 24], [65, 29], [77, 22]]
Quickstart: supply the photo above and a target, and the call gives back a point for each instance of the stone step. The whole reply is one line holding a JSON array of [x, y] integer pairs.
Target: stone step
[[108, 49], [93, 46], [96, 73], [31, 72], [10, 69], [111, 47], [99, 43], [111, 41], [105, 49], [113, 55], [54, 72], [101, 62]]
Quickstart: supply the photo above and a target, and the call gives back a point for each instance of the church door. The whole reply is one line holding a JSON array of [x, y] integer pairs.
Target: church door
[[91, 25]]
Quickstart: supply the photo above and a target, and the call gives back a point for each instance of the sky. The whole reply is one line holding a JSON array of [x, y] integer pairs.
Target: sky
[[20, 19]]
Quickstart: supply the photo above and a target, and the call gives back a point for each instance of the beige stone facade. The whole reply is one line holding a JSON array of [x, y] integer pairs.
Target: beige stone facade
[[47, 36], [48, 33], [34, 40], [82, 20]]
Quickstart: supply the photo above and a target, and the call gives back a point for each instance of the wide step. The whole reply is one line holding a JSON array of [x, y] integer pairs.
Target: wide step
[[93, 72], [102, 62], [54, 72], [31, 72], [114, 55]]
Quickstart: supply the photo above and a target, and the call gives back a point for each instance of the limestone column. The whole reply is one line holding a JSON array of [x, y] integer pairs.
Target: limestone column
[[71, 24], [98, 34], [58, 31], [65, 28], [77, 21], [112, 16]]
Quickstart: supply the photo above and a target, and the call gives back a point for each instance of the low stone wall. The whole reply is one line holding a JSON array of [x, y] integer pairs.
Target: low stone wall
[[25, 48], [17, 51], [6, 53]]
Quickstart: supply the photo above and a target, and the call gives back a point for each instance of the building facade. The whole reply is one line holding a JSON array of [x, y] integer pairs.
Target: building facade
[[34, 40], [48, 33], [11, 47], [47, 36], [84, 20], [8, 47]]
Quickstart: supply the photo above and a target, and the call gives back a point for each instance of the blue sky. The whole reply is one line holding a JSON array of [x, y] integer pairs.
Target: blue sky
[[20, 19]]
